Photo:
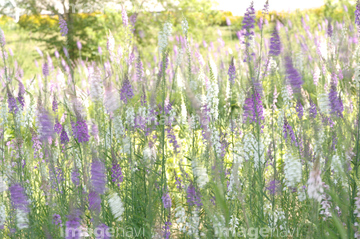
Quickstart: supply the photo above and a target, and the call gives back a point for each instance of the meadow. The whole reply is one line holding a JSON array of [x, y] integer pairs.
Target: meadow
[[255, 134]]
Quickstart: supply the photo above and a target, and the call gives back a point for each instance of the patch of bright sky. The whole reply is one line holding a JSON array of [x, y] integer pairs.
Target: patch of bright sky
[[238, 7]]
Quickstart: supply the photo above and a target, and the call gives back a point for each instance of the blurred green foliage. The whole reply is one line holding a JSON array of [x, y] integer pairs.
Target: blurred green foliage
[[91, 28]]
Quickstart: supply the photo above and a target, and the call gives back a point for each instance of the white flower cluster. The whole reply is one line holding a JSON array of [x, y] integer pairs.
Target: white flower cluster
[[292, 170], [130, 117], [111, 100], [126, 145], [233, 224], [3, 114], [96, 87], [324, 103], [2, 215], [22, 219], [149, 154], [116, 206], [252, 148], [301, 194], [200, 173], [181, 218], [164, 35], [212, 100], [193, 224], [299, 61], [315, 188], [179, 57], [119, 129], [337, 166], [325, 207], [183, 111], [219, 225], [3, 184], [184, 26], [356, 77], [215, 140]]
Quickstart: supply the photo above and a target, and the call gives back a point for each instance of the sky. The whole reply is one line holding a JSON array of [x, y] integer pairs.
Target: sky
[[238, 7]]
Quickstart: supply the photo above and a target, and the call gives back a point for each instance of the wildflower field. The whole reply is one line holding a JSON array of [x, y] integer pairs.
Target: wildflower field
[[260, 139]]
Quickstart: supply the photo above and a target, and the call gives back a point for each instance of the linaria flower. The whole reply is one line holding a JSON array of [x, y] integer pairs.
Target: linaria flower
[[2, 38], [13, 107], [80, 130], [63, 27], [45, 69], [292, 170], [57, 220], [299, 109], [94, 202], [249, 21], [98, 177], [275, 44], [357, 14], [64, 137], [193, 196], [293, 75], [126, 92], [18, 197], [116, 206], [232, 71], [46, 127], [166, 200], [116, 173], [315, 187], [124, 16]]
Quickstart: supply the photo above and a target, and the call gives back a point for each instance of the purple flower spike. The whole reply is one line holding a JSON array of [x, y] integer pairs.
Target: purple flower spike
[[275, 44], [126, 92], [64, 137], [18, 197], [249, 21], [80, 131], [232, 71], [357, 14], [166, 200], [98, 177], [293, 75], [299, 109], [94, 202], [63, 27], [193, 197]]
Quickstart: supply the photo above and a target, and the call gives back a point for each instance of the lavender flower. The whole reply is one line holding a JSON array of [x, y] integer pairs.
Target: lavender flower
[[18, 197], [75, 176], [193, 197], [293, 75], [287, 129], [57, 127], [57, 220], [357, 13], [124, 17], [46, 126], [335, 102], [172, 139], [273, 186], [54, 105], [64, 137], [232, 71], [78, 44], [166, 228], [45, 69], [98, 177], [252, 113], [275, 44], [13, 107], [94, 202], [299, 109], [2, 38], [116, 173], [80, 131], [73, 225], [166, 200], [249, 21], [312, 110], [63, 27], [20, 97], [126, 92]]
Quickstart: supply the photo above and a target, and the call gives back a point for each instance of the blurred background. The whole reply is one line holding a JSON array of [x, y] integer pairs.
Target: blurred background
[[30, 25]]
